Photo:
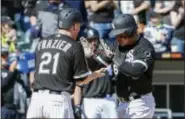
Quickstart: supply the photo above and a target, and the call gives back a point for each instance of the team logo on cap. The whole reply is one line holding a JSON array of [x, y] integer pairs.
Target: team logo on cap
[[60, 23], [113, 26]]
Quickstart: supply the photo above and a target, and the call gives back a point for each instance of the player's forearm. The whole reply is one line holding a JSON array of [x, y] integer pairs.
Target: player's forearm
[[87, 4], [165, 9], [31, 77], [132, 69], [89, 78], [95, 6], [145, 5], [176, 19], [77, 96]]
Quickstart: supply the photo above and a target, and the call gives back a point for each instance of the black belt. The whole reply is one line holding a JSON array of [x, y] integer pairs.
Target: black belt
[[50, 91], [122, 99], [134, 97], [95, 97]]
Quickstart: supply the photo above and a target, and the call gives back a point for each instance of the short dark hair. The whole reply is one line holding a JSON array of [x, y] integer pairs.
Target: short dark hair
[[153, 14]]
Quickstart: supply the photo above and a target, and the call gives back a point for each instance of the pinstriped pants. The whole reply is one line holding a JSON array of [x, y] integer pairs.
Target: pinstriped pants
[[99, 108], [45, 105], [143, 107]]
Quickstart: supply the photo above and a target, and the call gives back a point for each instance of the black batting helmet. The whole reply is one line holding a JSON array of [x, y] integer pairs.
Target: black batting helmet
[[67, 17], [124, 23], [90, 33]]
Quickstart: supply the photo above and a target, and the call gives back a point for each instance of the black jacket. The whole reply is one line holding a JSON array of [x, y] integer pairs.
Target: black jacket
[[7, 87]]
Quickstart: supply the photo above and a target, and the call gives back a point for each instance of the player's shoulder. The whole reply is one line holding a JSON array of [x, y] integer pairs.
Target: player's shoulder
[[145, 44]]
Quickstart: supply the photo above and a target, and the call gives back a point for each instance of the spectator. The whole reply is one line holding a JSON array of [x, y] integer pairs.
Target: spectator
[[164, 8], [127, 7], [157, 33], [100, 14], [177, 18], [9, 37], [8, 77], [4, 11], [14, 89], [80, 5], [46, 17], [138, 8]]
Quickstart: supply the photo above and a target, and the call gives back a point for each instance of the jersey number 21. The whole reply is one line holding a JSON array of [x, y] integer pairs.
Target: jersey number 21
[[47, 59]]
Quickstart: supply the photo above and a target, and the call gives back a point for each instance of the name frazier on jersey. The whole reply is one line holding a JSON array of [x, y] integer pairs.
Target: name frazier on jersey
[[56, 44]]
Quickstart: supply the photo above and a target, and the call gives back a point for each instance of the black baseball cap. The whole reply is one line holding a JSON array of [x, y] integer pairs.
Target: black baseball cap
[[122, 24], [153, 14]]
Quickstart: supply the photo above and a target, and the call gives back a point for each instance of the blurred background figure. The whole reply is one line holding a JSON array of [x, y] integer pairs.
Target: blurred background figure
[[100, 14], [9, 75], [138, 8], [45, 17], [80, 5], [15, 86], [8, 33], [177, 19], [158, 33], [164, 8]]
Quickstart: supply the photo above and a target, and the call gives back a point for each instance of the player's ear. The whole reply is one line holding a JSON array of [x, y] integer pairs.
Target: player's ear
[[74, 27]]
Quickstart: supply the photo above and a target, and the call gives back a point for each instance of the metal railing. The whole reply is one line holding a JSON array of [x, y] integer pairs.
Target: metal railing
[[167, 113], [163, 112]]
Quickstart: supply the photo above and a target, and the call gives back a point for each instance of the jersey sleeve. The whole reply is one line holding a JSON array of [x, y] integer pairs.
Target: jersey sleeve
[[80, 65], [143, 59]]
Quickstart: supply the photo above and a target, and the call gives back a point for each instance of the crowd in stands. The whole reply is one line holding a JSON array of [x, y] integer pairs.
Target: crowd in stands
[[161, 22], [24, 22]]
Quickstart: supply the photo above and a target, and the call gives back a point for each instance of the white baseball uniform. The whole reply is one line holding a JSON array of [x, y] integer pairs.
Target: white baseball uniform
[[143, 107], [46, 105], [99, 108]]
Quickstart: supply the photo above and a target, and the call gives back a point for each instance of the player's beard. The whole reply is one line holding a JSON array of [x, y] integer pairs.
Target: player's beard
[[89, 51], [89, 48]]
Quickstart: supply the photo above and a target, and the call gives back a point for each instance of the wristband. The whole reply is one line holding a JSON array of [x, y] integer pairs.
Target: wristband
[[81, 86]]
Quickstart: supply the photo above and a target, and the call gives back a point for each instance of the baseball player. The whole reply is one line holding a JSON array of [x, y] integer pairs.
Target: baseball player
[[133, 67], [97, 102], [60, 68]]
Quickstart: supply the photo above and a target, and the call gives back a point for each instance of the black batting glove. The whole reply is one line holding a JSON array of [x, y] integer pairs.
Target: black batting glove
[[77, 111]]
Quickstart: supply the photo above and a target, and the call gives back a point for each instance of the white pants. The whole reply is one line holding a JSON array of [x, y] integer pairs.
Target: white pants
[[46, 105], [99, 108], [143, 107]]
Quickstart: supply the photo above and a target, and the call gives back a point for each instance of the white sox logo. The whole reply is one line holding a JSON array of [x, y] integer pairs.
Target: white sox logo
[[129, 56]]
